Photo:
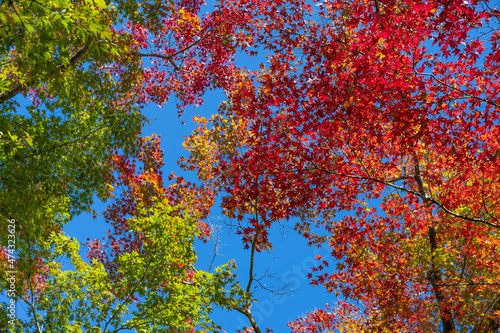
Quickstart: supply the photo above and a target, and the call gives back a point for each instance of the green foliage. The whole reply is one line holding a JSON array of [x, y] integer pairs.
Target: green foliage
[[54, 152], [41, 38], [146, 12], [158, 289]]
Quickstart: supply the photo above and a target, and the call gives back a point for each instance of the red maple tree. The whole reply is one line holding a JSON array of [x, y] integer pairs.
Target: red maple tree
[[375, 124]]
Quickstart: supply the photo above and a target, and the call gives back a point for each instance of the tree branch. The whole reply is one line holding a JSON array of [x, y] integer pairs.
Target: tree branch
[[492, 324], [400, 188], [18, 87], [65, 143], [252, 254], [169, 57], [246, 311]]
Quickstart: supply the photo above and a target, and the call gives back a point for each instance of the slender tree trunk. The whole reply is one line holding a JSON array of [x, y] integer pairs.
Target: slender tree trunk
[[434, 275]]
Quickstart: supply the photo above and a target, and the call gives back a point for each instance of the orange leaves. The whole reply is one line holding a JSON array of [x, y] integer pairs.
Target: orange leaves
[[345, 318], [187, 21], [206, 145]]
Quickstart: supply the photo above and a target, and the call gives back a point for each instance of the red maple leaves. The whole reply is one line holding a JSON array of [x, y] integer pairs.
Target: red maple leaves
[[376, 125]]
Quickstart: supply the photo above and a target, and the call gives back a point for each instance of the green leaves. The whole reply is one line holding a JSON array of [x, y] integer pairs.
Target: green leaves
[[42, 40], [158, 289], [61, 3], [72, 299]]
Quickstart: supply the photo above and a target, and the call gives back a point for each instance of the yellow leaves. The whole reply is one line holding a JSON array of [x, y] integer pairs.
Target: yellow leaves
[[200, 120], [186, 19], [379, 56]]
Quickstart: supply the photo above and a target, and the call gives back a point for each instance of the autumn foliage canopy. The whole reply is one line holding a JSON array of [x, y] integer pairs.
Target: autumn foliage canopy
[[371, 127]]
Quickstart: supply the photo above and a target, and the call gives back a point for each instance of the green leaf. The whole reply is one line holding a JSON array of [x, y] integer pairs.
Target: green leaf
[[61, 3]]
